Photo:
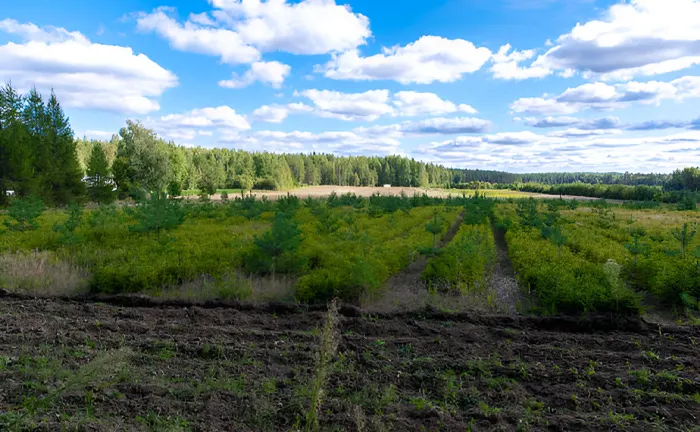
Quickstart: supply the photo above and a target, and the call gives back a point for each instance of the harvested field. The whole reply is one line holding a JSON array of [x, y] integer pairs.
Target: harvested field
[[324, 191], [104, 366]]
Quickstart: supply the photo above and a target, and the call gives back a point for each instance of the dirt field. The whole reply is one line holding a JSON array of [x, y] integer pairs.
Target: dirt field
[[105, 366], [323, 191]]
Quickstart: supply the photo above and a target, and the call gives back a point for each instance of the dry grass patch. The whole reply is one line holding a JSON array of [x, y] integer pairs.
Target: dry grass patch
[[41, 274], [231, 286]]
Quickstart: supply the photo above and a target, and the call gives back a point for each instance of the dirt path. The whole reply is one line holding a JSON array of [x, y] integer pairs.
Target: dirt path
[[405, 290], [503, 282], [67, 365]]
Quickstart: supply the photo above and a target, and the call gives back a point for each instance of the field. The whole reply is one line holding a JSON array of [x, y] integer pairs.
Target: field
[[325, 191], [350, 313], [100, 366]]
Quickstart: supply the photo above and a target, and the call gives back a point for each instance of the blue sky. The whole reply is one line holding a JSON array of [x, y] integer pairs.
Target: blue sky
[[517, 85]]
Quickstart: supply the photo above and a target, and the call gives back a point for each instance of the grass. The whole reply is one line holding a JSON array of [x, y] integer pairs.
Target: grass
[[492, 193], [41, 273], [196, 192]]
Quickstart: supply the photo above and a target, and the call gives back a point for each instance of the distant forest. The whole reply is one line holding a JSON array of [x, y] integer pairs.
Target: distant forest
[[40, 156]]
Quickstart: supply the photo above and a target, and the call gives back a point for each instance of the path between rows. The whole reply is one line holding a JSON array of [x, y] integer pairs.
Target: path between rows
[[405, 290], [503, 282]]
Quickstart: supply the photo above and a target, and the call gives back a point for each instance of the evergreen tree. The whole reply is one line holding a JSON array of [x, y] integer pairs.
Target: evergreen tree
[[99, 181], [16, 168], [64, 177]]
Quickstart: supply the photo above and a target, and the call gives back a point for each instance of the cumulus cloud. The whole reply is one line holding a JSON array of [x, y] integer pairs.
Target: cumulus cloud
[[411, 103], [238, 31], [583, 124], [192, 36], [372, 104], [369, 105], [602, 96], [429, 59], [272, 73], [199, 122], [635, 37], [506, 65], [578, 132], [338, 142], [83, 74], [277, 113], [446, 126], [528, 152]]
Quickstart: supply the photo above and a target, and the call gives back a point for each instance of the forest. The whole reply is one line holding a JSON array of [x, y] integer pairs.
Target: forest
[[40, 156]]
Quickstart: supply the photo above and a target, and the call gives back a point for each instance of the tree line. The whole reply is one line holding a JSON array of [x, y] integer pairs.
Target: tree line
[[40, 156]]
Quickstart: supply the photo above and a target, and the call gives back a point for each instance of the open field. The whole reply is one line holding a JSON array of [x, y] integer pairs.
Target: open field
[[96, 366], [325, 191]]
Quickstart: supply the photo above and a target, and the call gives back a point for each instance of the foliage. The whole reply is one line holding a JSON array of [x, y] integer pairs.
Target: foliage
[[465, 264], [24, 214], [275, 250], [67, 228], [98, 177], [158, 213]]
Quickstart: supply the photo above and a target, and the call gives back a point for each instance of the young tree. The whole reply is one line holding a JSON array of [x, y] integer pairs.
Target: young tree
[[23, 214], [684, 236], [67, 229], [275, 249], [99, 180], [158, 213]]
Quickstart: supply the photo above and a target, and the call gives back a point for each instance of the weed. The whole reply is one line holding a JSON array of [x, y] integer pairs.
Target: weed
[[327, 350]]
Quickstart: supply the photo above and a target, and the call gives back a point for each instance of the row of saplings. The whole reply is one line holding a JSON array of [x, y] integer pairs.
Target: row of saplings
[[273, 252], [567, 282]]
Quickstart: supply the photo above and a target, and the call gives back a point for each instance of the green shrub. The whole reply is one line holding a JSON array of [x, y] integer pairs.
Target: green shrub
[[24, 214]]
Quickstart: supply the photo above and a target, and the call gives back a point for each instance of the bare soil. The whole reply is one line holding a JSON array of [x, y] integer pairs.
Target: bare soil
[[130, 364]]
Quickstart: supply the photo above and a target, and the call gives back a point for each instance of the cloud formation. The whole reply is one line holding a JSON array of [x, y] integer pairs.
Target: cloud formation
[[83, 74]]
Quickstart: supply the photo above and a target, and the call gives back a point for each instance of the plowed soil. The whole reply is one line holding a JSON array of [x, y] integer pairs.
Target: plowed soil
[[111, 366]]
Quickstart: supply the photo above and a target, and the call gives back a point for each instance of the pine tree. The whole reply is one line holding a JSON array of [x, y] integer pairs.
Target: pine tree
[[35, 119], [65, 175], [99, 182], [16, 161]]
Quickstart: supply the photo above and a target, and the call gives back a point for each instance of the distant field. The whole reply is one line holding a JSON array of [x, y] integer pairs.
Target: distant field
[[320, 191]]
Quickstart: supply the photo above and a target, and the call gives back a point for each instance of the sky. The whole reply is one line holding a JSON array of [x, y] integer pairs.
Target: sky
[[514, 85]]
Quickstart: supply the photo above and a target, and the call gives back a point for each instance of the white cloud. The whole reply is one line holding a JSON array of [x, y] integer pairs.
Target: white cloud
[[200, 121], [505, 65], [446, 126], [238, 31], [576, 132], [83, 74], [195, 37], [272, 73], [583, 124], [411, 103], [634, 37], [603, 96], [527, 152], [47, 34], [429, 59], [277, 113], [306, 27], [369, 105], [95, 134], [338, 142]]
